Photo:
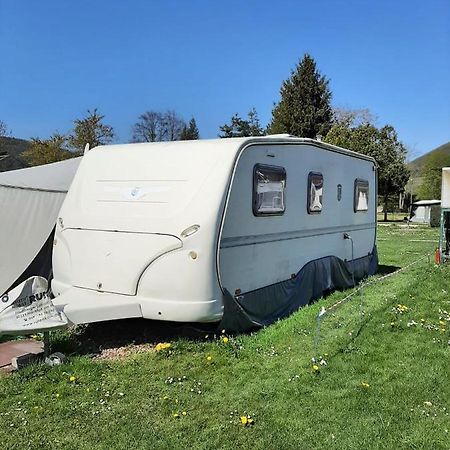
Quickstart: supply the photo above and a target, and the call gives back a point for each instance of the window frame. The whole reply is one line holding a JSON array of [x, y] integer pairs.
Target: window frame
[[308, 192], [275, 169], [359, 182]]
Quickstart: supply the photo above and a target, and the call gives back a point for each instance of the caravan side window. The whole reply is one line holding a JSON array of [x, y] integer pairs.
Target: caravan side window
[[269, 190], [361, 197], [315, 192]]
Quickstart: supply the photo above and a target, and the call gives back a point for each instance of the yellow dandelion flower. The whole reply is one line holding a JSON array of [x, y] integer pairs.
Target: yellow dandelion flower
[[184, 413], [225, 340], [315, 368], [57, 395], [176, 415], [441, 322], [250, 421], [244, 420], [72, 378], [365, 385], [162, 346], [209, 358]]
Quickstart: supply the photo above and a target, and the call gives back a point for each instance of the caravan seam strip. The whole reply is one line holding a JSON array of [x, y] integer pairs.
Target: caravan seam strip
[[240, 241], [33, 189]]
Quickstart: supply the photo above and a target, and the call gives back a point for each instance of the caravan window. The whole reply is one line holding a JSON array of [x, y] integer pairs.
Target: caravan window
[[315, 192], [361, 198], [269, 186]]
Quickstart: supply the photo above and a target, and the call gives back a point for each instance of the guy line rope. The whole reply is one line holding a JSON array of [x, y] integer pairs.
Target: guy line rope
[[323, 311]]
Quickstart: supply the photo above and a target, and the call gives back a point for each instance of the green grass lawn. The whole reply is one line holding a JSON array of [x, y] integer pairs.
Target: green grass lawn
[[403, 359]]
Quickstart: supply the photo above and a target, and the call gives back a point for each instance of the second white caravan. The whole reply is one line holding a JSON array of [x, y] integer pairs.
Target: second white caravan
[[240, 230]]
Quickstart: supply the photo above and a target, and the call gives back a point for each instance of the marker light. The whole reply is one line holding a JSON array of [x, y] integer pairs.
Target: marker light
[[190, 230]]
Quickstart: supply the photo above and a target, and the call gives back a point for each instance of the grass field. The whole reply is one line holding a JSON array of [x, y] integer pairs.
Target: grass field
[[386, 382]]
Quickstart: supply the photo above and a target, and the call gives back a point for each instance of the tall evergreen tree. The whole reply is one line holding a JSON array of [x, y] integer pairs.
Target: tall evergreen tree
[[190, 132], [304, 109], [239, 127]]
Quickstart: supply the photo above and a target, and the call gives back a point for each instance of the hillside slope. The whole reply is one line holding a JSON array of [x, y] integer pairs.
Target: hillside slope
[[14, 148], [418, 164]]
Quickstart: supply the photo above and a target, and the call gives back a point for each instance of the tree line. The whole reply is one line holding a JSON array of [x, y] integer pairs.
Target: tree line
[[304, 110]]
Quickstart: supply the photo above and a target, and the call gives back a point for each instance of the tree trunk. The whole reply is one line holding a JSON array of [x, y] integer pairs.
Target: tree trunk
[[385, 207]]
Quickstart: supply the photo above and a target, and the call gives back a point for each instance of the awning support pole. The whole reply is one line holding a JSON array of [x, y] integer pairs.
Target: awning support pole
[[46, 344]]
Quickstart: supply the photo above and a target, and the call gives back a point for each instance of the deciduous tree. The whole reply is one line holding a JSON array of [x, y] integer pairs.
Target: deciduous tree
[[90, 130], [46, 151], [4, 131], [155, 126], [430, 187], [383, 145], [353, 117]]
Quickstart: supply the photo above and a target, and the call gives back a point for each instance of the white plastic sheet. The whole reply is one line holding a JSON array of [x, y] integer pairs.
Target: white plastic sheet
[[28, 308]]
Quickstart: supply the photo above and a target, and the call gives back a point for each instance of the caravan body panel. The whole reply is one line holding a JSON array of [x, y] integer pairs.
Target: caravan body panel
[[260, 250]]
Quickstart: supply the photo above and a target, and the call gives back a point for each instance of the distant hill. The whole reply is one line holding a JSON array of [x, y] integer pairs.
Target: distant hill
[[11, 150], [439, 157], [418, 164]]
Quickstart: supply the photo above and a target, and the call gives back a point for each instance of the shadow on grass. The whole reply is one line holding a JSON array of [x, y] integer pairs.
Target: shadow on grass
[[385, 269], [93, 338]]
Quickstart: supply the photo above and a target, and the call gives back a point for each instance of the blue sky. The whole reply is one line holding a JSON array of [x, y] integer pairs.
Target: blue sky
[[210, 59]]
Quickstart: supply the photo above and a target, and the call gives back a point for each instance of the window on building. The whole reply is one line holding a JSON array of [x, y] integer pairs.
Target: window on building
[[361, 197], [269, 190], [315, 192], [339, 192]]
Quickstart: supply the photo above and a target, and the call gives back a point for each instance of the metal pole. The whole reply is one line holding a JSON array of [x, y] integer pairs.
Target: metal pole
[[46, 344]]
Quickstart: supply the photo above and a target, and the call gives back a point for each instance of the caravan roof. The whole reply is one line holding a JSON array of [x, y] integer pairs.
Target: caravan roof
[[427, 202]]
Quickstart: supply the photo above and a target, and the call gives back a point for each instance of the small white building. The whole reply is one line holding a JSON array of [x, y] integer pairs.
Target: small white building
[[426, 211]]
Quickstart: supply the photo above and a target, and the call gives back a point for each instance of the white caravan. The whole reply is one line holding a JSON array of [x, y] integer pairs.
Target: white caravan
[[183, 231]]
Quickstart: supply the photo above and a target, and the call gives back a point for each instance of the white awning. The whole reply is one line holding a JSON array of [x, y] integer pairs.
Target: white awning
[[30, 200]]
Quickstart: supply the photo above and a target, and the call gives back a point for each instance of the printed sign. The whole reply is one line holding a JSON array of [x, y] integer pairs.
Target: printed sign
[[28, 308]]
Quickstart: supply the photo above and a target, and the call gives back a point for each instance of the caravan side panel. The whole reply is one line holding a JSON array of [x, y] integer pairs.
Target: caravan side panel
[[259, 250]]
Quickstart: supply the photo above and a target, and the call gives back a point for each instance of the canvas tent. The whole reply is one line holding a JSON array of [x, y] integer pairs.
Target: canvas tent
[[30, 200], [426, 211]]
